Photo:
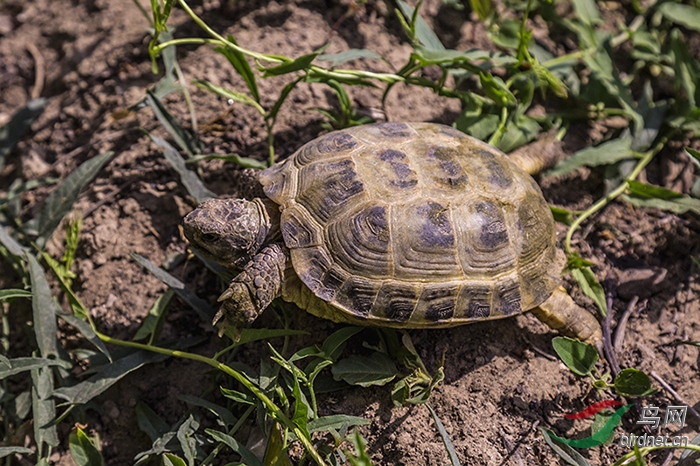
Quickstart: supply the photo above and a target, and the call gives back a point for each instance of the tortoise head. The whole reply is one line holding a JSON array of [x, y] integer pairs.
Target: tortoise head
[[228, 231]]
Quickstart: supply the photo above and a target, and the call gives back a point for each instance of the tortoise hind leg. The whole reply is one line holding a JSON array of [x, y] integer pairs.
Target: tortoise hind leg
[[561, 313]]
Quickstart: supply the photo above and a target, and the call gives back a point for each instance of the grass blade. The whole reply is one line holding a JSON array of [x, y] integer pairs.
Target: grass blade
[[183, 138], [7, 451], [12, 293], [43, 410], [17, 365], [685, 15], [565, 452], [60, 201], [240, 64], [44, 311], [202, 308], [424, 34], [20, 122], [603, 154], [246, 455], [454, 459], [189, 178], [106, 377]]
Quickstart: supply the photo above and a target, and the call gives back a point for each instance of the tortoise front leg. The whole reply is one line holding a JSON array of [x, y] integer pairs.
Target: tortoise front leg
[[254, 288], [561, 313]]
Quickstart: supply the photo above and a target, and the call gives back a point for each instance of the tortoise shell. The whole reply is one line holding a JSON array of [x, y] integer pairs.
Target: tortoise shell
[[414, 225]]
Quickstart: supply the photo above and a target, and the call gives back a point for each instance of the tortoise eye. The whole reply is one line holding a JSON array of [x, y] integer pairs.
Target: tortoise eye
[[209, 237]]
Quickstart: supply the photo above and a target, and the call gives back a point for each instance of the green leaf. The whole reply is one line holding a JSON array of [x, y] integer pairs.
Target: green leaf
[[336, 422], [360, 457], [43, 410], [677, 205], [632, 382], [562, 215], [203, 309], [83, 449], [454, 459], [272, 114], [606, 153], [241, 65], [496, 90], [61, 200], [188, 443], [649, 191], [86, 331], [300, 63], [423, 33], [347, 55], [106, 377], [182, 137], [21, 121], [564, 451], [449, 57], [189, 178], [9, 367], [226, 417], [7, 451], [579, 357], [688, 453], [483, 8], [149, 422], [301, 410], [587, 12], [11, 245], [245, 162], [249, 335], [333, 345], [585, 278], [229, 94], [377, 369], [685, 73], [601, 64], [153, 321], [685, 15], [172, 460], [13, 293], [246, 455], [44, 311]]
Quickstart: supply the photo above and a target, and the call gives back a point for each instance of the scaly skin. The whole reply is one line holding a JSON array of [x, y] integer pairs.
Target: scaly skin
[[254, 288]]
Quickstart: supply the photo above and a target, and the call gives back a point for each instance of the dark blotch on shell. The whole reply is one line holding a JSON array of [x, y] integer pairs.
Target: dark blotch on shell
[[493, 229], [453, 174], [392, 130], [498, 175], [437, 229], [508, 296], [405, 176], [358, 295], [441, 302], [396, 301], [479, 302]]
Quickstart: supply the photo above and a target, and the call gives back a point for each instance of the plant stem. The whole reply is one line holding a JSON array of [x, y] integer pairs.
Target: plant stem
[[646, 450], [273, 410], [602, 202]]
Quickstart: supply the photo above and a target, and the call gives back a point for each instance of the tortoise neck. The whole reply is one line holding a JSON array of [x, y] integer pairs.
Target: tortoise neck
[[270, 225]]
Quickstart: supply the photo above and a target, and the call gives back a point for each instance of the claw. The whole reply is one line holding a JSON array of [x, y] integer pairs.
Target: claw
[[224, 296]]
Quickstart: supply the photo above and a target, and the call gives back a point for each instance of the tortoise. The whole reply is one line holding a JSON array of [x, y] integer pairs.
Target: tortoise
[[404, 225]]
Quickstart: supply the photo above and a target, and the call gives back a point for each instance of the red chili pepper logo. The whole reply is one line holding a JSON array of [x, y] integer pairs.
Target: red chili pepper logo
[[593, 409]]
